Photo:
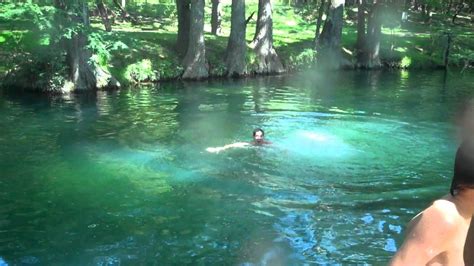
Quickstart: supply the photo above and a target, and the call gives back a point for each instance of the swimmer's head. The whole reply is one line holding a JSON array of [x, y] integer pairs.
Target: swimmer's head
[[258, 135], [463, 177]]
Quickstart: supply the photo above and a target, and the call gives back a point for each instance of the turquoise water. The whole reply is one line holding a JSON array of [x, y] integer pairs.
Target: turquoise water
[[124, 177]]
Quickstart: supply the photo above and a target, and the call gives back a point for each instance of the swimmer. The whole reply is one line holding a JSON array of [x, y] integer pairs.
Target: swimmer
[[437, 235], [258, 140]]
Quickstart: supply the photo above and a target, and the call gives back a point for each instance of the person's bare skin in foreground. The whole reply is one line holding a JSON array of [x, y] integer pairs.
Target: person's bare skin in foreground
[[437, 235]]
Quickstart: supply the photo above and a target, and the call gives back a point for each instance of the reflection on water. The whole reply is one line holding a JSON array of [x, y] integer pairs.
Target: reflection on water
[[314, 144], [124, 177]]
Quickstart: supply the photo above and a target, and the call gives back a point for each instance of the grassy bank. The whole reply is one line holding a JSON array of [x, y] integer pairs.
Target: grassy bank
[[414, 45], [146, 52]]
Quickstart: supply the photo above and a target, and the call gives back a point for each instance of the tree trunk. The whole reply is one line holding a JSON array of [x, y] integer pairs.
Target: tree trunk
[[447, 50], [216, 17], [459, 7], [329, 44], [361, 52], [80, 72], [415, 5], [195, 64], [448, 6], [124, 4], [184, 22], [361, 24], [298, 3], [350, 3], [407, 5], [104, 15], [374, 32], [427, 17], [124, 13], [236, 46], [319, 21], [267, 58], [83, 74]]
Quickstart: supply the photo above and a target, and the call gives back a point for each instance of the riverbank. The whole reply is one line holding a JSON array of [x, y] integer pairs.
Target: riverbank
[[146, 52]]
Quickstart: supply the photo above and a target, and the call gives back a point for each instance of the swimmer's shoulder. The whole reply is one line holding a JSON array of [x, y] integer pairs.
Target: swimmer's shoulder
[[443, 213]]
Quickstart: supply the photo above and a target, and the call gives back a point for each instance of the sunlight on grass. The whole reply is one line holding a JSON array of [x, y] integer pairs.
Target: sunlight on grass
[[400, 49], [140, 71], [291, 23], [406, 62], [153, 39], [404, 74]]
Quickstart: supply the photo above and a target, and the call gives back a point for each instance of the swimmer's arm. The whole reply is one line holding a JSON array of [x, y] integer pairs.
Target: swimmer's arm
[[430, 235], [233, 145]]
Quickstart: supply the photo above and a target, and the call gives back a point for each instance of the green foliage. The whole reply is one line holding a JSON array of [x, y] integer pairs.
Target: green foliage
[[216, 46], [30, 14], [154, 10], [32, 56], [31, 25], [391, 18], [406, 62], [305, 58], [432, 3], [251, 59], [169, 69], [102, 48], [33, 43], [35, 47], [141, 71]]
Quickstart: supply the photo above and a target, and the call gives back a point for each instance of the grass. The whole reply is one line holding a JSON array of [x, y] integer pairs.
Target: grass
[[293, 40], [415, 45]]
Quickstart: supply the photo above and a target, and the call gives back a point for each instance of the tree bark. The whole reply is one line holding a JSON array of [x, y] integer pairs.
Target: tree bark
[[423, 10], [329, 44], [415, 5], [319, 21], [448, 6], [195, 63], [268, 61], [236, 46], [428, 13], [459, 8], [361, 24], [299, 3], [104, 15], [125, 15], [83, 74], [447, 50], [407, 5], [361, 53], [374, 32], [184, 23], [216, 17]]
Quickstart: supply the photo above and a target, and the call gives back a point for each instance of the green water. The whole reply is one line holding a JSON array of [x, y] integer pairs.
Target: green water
[[123, 178]]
